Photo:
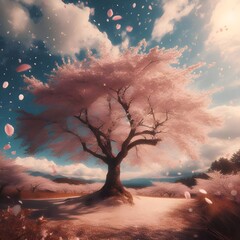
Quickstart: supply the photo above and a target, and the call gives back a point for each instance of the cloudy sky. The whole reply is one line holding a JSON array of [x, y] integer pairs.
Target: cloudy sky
[[41, 32]]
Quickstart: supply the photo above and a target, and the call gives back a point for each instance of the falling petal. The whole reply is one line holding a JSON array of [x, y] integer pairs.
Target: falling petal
[[20, 201], [208, 201], [118, 26], [129, 28], [13, 152], [110, 13], [92, 11], [150, 7], [5, 84], [202, 191], [9, 130], [7, 146], [41, 218], [23, 67], [16, 210], [187, 195], [21, 97], [116, 18], [234, 192], [134, 5]]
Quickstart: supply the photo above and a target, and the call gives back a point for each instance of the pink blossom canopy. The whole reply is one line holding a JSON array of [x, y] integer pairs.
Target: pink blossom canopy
[[118, 106]]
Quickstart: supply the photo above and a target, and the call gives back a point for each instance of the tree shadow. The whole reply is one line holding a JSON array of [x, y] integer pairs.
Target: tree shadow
[[71, 208]]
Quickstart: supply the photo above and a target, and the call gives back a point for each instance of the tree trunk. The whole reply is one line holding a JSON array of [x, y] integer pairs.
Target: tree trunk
[[2, 187], [113, 186]]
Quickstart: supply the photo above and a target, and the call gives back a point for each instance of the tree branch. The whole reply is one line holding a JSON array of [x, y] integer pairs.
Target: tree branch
[[105, 147], [85, 148], [147, 132], [125, 106], [152, 142]]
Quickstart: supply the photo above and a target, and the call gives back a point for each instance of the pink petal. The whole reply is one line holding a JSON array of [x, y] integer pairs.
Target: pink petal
[[118, 26], [208, 201], [7, 146], [110, 13], [134, 5], [13, 152], [23, 67], [5, 84], [9, 130], [116, 18], [202, 191], [92, 11], [129, 28], [187, 195], [16, 209], [150, 7], [21, 97]]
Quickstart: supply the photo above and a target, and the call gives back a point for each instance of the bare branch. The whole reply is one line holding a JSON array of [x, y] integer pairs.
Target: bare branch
[[147, 132], [86, 149], [105, 145], [138, 142]]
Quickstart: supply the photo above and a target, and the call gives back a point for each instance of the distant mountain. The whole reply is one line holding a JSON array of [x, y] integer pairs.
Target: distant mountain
[[45, 175], [192, 180], [75, 181], [131, 183], [146, 182]]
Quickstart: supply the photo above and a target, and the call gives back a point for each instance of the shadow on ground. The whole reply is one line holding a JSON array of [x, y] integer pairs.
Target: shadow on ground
[[219, 221]]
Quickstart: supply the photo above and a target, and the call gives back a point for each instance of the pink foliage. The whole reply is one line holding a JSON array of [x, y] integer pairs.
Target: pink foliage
[[164, 189], [227, 186], [86, 99]]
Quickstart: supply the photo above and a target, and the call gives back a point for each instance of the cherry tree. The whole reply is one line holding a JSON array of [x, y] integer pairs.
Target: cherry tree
[[110, 107]]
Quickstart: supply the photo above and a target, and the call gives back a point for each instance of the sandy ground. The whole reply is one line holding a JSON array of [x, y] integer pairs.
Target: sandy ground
[[148, 218], [146, 212]]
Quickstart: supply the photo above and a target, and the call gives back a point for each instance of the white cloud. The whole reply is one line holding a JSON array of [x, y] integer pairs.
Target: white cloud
[[79, 170], [231, 117], [173, 11], [65, 28], [225, 140], [44, 165], [14, 21], [224, 34]]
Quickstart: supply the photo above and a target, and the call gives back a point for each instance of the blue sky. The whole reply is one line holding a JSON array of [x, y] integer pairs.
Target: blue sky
[[41, 32]]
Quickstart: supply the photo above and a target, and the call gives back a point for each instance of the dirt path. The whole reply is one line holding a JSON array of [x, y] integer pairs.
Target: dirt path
[[146, 212], [148, 218]]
